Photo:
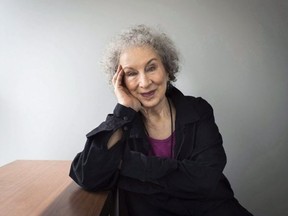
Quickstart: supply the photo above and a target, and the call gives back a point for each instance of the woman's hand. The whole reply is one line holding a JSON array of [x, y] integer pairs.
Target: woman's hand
[[123, 95]]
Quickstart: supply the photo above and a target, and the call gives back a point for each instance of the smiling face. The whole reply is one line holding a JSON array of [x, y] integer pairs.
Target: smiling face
[[145, 76]]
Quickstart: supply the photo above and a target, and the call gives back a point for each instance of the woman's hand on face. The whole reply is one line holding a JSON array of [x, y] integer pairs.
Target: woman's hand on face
[[123, 95]]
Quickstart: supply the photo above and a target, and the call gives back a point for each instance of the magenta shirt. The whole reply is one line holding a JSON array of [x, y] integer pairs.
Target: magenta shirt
[[161, 148]]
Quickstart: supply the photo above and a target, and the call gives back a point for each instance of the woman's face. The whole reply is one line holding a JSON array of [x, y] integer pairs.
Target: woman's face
[[144, 75]]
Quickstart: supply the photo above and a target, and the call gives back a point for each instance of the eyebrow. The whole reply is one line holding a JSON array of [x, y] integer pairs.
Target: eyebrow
[[145, 64], [150, 61]]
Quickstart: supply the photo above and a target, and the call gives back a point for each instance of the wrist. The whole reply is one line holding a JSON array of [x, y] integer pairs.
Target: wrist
[[124, 112], [135, 108]]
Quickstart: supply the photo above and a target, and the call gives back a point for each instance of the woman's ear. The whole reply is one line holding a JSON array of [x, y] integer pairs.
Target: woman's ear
[[168, 86], [168, 77]]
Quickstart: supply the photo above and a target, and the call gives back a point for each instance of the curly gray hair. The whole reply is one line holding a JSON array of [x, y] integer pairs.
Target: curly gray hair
[[142, 35]]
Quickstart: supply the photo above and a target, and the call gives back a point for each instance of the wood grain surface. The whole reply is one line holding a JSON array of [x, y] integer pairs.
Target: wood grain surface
[[44, 188]]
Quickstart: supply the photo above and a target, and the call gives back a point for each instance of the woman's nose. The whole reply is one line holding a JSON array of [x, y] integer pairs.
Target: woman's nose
[[144, 81]]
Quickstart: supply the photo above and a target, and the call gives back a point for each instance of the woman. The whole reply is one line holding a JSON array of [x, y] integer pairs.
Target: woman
[[160, 148]]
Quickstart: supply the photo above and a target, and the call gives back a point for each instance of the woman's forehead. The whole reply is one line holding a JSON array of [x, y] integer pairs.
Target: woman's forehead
[[137, 56]]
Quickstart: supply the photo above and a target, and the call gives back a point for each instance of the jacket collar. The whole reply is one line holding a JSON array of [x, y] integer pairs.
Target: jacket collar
[[185, 111]]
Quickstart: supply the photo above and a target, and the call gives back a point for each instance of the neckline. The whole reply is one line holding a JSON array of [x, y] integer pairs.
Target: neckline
[[162, 140]]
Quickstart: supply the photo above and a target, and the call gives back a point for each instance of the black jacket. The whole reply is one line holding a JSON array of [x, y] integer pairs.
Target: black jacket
[[191, 183]]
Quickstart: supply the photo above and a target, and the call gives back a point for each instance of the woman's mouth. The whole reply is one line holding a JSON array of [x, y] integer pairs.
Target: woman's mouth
[[148, 94]]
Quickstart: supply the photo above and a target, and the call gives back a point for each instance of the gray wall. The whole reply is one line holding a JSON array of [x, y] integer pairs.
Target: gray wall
[[234, 54]]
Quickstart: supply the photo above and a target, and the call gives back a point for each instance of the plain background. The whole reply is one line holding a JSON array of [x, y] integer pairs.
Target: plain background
[[234, 54]]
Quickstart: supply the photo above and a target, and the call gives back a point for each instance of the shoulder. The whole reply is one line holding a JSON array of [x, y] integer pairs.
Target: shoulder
[[200, 105], [190, 108], [192, 104]]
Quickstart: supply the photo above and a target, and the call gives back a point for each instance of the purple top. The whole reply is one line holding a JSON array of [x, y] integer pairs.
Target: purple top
[[161, 148]]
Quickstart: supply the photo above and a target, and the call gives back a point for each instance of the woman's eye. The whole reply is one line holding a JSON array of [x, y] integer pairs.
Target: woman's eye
[[131, 73], [151, 68]]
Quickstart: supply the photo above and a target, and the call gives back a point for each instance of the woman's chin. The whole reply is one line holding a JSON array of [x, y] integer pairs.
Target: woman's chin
[[148, 104]]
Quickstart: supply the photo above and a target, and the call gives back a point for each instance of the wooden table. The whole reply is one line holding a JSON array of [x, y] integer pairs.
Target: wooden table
[[44, 188]]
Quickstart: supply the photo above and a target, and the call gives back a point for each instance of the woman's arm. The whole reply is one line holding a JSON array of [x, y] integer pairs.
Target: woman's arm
[[96, 167], [115, 138]]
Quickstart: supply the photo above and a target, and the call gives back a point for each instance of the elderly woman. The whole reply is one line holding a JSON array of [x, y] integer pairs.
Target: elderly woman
[[161, 149]]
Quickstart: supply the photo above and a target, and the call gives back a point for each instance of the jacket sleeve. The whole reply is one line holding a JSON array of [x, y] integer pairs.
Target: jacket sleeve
[[96, 167], [195, 176]]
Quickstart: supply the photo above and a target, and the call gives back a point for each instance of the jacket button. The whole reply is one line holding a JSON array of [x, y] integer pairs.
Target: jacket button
[[125, 128], [125, 118]]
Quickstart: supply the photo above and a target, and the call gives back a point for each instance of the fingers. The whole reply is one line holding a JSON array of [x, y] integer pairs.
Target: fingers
[[115, 75], [117, 79]]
